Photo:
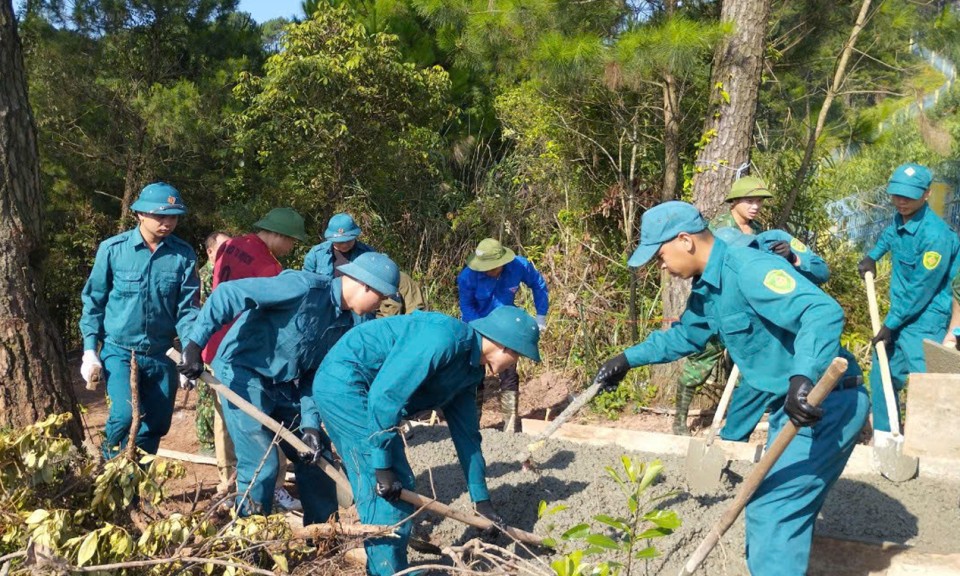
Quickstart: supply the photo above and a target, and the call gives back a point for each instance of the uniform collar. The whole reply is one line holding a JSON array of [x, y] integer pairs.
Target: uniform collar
[[911, 226], [136, 238], [711, 274], [477, 349]]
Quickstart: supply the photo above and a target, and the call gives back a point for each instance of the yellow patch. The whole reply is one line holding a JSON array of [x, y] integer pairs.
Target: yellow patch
[[780, 282], [798, 246], [931, 260]]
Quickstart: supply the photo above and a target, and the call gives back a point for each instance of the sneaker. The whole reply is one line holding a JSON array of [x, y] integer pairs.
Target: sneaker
[[285, 501]]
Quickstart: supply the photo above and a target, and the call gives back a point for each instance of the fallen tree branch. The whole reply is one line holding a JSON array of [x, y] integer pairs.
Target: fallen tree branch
[[331, 530]]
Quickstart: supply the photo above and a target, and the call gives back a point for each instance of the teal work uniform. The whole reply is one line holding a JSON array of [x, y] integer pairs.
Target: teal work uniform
[[320, 259], [138, 300], [748, 405], [924, 251], [775, 324], [379, 373], [286, 325]]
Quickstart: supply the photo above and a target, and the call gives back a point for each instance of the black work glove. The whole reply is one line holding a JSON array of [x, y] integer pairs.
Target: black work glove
[[612, 372], [783, 250], [311, 437], [884, 335], [868, 264], [388, 484], [191, 364], [800, 411], [485, 509]]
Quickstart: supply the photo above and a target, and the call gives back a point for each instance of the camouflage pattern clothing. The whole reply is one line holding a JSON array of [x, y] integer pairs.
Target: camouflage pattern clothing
[[205, 409]]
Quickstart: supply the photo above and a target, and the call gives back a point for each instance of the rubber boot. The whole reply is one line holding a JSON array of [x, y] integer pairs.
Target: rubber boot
[[508, 407], [684, 397]]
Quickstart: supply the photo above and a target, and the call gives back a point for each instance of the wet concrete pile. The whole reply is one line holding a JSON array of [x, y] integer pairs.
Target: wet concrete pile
[[921, 513]]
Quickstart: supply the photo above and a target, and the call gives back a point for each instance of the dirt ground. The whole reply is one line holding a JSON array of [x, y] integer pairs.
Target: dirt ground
[[921, 513]]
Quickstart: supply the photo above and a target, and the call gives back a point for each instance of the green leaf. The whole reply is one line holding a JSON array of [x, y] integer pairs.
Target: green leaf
[[654, 533], [603, 541], [666, 519], [37, 516], [646, 554], [652, 472], [281, 561], [577, 532], [87, 549], [613, 522]]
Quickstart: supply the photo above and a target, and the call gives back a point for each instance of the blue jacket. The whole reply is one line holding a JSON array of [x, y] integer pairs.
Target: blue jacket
[[480, 294], [774, 322], [401, 365], [138, 299], [924, 252], [810, 264], [319, 259], [285, 327]]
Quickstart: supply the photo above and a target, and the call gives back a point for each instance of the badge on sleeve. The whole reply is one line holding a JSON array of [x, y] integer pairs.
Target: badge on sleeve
[[931, 260], [798, 246], [780, 282]]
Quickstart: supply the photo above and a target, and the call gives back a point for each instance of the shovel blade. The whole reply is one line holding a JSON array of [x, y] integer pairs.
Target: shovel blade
[[704, 466], [890, 461]]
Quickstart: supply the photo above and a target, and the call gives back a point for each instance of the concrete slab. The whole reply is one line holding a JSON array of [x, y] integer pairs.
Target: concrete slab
[[933, 408], [940, 359], [833, 557]]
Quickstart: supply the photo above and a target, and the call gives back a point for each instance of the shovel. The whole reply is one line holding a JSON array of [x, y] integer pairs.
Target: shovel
[[526, 457], [705, 461], [888, 446], [753, 480], [344, 491]]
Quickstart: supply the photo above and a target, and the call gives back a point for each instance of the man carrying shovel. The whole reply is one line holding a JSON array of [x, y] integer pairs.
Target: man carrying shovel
[[382, 371], [285, 327], [924, 253], [782, 332]]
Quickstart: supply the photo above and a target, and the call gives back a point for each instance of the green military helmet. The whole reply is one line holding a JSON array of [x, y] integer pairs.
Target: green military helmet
[[511, 327], [748, 187], [284, 221]]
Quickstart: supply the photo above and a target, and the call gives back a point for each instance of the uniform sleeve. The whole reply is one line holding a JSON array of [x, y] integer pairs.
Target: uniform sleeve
[[461, 415], [309, 413], [310, 261], [813, 267], [796, 306], [411, 361], [541, 294], [188, 306], [690, 334], [233, 298], [94, 298], [929, 275], [883, 243], [467, 291]]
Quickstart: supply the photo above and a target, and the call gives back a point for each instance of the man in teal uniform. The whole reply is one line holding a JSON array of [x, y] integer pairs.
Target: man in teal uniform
[[748, 405], [383, 371], [783, 332], [340, 247], [924, 253], [286, 325], [143, 291], [745, 199]]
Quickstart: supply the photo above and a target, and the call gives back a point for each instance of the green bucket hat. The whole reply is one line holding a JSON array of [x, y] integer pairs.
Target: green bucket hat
[[511, 327], [748, 187], [490, 254], [284, 221]]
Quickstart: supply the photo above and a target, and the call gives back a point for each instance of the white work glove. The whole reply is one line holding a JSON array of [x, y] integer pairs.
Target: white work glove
[[89, 362], [186, 383], [542, 322]]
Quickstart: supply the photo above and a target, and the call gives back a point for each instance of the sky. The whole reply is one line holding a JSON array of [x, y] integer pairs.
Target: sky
[[263, 10]]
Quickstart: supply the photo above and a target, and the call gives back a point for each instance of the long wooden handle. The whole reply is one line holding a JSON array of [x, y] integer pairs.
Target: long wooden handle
[[471, 519], [789, 431], [276, 427], [722, 406], [885, 379], [574, 407]]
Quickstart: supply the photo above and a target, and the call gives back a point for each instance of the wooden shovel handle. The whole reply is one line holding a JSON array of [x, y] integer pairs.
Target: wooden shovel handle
[[469, 518], [826, 385], [724, 403], [885, 379], [568, 412]]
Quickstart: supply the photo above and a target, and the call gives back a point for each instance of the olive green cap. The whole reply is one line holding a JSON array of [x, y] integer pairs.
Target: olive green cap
[[748, 187], [284, 221]]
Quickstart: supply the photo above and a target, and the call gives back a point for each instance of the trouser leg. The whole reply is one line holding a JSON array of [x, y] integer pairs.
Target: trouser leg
[[781, 514]]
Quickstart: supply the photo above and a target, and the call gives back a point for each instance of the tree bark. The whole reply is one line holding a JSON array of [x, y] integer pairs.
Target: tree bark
[[838, 78], [34, 376], [728, 131], [671, 127]]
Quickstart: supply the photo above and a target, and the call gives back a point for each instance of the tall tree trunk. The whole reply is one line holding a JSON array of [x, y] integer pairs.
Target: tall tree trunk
[[131, 179], [34, 377], [838, 77], [671, 126], [729, 128]]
